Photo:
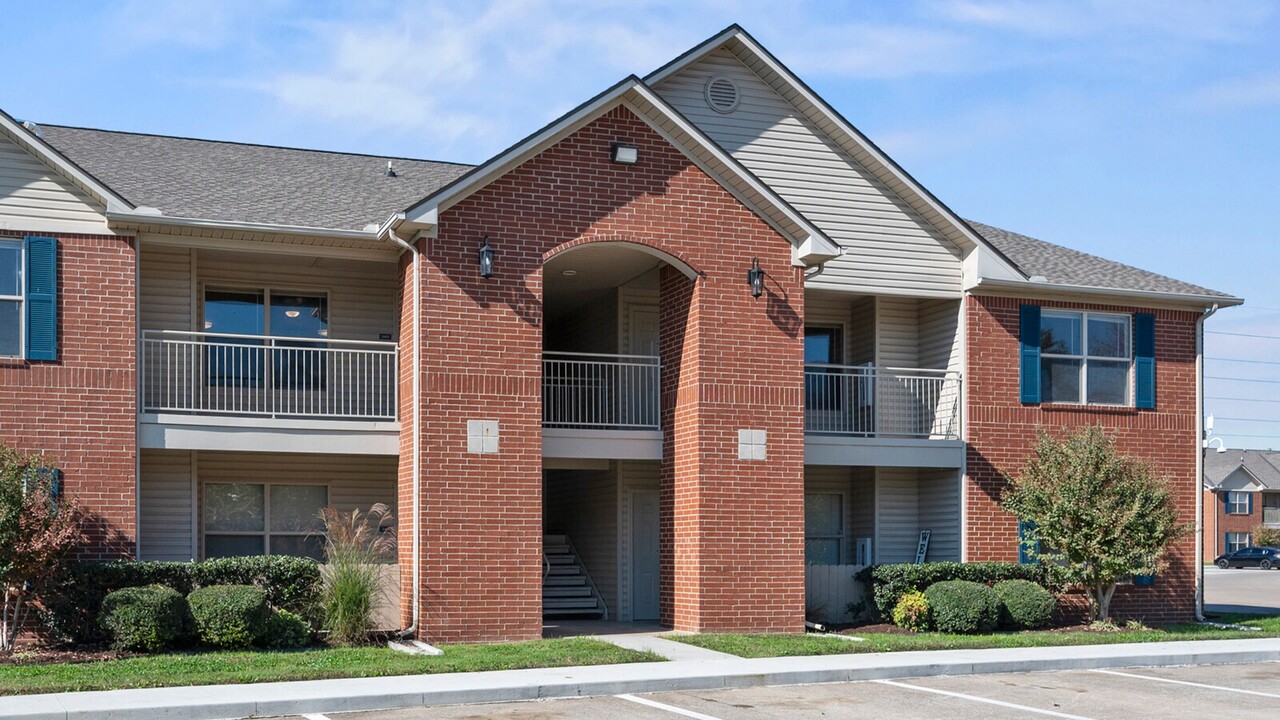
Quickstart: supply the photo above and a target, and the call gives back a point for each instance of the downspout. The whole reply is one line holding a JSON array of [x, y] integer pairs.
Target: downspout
[[417, 431], [1199, 555]]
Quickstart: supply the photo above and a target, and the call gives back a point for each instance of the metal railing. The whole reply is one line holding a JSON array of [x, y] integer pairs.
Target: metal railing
[[597, 391], [201, 373], [1271, 516], [882, 402]]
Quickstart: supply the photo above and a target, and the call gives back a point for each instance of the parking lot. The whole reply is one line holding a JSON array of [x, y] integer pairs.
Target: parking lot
[[1242, 590], [1238, 692]]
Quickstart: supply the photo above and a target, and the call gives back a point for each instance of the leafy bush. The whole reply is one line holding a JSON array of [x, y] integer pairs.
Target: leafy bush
[[229, 616], [71, 603], [962, 606], [1024, 604], [149, 618], [285, 630], [1266, 536], [886, 584], [912, 612], [355, 549]]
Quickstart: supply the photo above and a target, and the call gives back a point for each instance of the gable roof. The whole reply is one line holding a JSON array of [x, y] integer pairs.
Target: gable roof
[[244, 183], [1060, 265], [811, 244], [1262, 465], [32, 141]]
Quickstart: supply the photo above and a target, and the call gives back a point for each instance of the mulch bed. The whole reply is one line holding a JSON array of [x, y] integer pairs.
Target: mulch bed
[[884, 628], [42, 655]]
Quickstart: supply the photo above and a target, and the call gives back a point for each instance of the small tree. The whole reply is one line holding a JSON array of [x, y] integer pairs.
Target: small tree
[[38, 531], [1265, 536], [1101, 515]]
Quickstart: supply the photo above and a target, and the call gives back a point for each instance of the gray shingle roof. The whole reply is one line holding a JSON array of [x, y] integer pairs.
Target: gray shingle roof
[[1064, 266], [236, 182], [1263, 464]]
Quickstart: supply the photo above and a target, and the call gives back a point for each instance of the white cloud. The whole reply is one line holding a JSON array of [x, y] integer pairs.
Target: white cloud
[[865, 50], [1207, 20], [1258, 91]]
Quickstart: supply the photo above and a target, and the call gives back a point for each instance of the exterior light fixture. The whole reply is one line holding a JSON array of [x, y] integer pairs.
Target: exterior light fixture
[[291, 314], [755, 278], [624, 154], [485, 257]]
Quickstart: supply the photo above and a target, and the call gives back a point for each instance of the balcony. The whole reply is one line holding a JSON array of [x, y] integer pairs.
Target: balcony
[[257, 376], [1270, 515], [601, 392]]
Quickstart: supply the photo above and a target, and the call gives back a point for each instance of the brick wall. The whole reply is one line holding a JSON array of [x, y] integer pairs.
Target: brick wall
[[1002, 431], [1217, 522], [80, 410], [732, 531]]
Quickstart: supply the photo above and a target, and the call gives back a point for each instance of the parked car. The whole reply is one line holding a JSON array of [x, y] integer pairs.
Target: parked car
[[1259, 557]]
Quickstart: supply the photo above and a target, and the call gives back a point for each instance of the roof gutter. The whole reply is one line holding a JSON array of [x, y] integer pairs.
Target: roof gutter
[[116, 216], [1216, 301]]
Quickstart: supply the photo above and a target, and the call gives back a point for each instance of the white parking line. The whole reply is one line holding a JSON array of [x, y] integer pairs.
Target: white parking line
[[315, 716], [989, 701], [1186, 682], [668, 708]]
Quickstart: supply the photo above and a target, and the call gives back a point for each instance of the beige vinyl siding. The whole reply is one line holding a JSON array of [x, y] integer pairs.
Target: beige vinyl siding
[[940, 513], [632, 475], [862, 505], [832, 310], [355, 482], [862, 335], [890, 248], [940, 335], [582, 504], [363, 296], [897, 515], [166, 506], [165, 276], [34, 197]]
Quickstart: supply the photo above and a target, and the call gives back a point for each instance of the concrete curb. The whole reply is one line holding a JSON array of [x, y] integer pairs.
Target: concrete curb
[[330, 696]]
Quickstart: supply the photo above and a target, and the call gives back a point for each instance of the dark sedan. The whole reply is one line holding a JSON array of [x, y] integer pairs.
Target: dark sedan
[[1259, 557]]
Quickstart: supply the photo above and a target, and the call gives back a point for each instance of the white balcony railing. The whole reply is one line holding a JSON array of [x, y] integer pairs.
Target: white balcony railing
[[1271, 516], [255, 375], [595, 391], [882, 402]]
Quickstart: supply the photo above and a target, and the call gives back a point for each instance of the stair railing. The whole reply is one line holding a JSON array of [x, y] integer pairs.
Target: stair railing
[[595, 592]]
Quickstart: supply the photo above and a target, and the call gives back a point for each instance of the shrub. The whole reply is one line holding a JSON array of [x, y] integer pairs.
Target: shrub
[[72, 601], [150, 618], [1266, 536], [229, 616], [285, 630], [354, 548], [886, 584], [1024, 604], [912, 612], [961, 606]]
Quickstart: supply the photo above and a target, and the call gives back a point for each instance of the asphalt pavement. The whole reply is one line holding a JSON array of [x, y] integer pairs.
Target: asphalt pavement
[[1242, 590]]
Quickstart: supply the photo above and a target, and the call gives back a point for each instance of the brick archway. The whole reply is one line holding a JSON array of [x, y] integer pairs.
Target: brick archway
[[651, 246]]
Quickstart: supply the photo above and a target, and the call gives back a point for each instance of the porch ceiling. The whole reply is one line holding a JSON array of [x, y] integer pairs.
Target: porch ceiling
[[593, 270]]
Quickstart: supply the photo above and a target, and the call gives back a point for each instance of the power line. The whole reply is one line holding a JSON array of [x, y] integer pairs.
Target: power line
[[1247, 335], [1235, 399], [1249, 380], [1251, 362], [1248, 420]]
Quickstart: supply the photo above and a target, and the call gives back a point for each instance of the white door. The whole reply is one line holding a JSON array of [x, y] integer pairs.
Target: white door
[[644, 555], [644, 331], [638, 384]]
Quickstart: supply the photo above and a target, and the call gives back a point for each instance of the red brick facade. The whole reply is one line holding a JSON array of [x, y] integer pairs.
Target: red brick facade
[[1218, 522], [80, 411], [1001, 432], [732, 531]]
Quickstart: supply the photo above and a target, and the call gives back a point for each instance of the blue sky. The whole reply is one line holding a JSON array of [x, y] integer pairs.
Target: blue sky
[[1145, 131]]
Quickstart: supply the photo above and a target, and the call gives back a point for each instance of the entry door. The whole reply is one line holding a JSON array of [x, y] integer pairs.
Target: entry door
[[638, 387], [644, 331], [644, 555]]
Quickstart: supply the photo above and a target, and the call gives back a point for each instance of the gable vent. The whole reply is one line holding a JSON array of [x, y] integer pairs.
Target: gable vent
[[722, 94]]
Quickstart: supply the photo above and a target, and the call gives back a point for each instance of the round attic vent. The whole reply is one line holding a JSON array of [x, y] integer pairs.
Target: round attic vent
[[722, 94]]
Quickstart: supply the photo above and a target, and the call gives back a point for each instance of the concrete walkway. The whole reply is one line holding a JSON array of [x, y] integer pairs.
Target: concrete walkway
[[324, 696]]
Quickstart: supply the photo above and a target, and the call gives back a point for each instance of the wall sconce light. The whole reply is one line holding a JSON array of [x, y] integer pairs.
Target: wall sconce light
[[624, 154], [755, 278], [486, 258]]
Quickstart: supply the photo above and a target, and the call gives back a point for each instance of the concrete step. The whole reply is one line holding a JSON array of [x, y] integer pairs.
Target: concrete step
[[580, 604], [562, 559], [565, 570], [564, 591], [552, 612], [556, 550], [563, 581], [554, 540]]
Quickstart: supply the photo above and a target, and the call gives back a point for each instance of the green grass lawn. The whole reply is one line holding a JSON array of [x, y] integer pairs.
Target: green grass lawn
[[753, 646], [210, 668]]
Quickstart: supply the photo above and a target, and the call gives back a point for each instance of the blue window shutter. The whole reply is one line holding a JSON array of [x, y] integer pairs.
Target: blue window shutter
[[1144, 360], [42, 298], [1250, 496], [1029, 334], [1025, 527]]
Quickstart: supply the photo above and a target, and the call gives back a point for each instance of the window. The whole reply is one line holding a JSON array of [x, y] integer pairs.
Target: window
[[235, 361], [823, 528], [260, 519], [1239, 503], [1237, 541], [822, 346], [11, 292], [1085, 358]]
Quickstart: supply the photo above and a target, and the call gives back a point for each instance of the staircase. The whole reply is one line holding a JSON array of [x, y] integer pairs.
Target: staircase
[[567, 590]]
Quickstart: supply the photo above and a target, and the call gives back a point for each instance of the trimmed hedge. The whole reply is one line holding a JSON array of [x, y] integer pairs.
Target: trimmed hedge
[[963, 607], [1024, 605], [285, 630], [72, 602], [149, 618], [912, 612], [229, 616], [886, 584]]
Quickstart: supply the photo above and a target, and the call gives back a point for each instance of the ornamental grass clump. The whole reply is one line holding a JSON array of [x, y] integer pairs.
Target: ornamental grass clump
[[356, 546]]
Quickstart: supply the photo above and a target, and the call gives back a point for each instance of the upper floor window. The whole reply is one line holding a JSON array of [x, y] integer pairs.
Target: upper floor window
[[1085, 357], [1238, 503], [11, 293]]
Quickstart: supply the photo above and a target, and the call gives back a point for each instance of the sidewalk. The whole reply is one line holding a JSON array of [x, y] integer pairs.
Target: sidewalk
[[694, 673]]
